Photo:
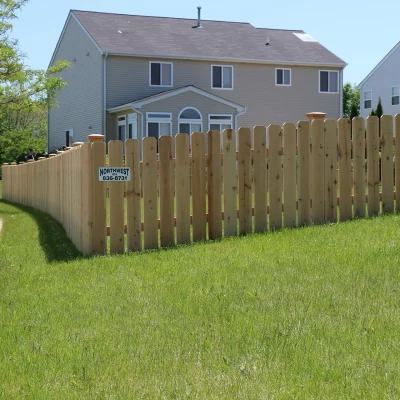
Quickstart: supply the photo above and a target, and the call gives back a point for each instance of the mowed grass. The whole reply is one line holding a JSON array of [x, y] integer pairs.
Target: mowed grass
[[310, 313]]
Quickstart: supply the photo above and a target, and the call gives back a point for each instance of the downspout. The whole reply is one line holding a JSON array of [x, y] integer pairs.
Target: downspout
[[341, 93], [236, 124], [141, 119], [105, 96]]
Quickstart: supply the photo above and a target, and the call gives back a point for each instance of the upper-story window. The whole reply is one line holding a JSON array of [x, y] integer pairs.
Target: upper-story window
[[367, 99], [328, 81], [222, 77], [283, 76], [395, 96], [161, 74]]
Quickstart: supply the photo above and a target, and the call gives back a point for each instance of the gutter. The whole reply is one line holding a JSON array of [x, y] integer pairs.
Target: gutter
[[341, 93], [105, 96]]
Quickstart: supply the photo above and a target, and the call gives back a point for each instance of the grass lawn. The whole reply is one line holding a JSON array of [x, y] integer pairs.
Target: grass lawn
[[307, 313]]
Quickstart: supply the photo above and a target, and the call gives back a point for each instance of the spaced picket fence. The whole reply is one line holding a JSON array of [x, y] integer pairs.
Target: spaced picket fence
[[323, 171]]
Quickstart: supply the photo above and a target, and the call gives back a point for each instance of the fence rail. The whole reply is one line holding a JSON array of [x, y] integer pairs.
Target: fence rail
[[323, 171]]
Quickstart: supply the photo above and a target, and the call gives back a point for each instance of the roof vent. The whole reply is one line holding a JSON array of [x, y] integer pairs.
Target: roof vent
[[198, 19], [267, 42]]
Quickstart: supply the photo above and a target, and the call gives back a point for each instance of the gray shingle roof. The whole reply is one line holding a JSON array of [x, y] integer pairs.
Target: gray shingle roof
[[175, 37]]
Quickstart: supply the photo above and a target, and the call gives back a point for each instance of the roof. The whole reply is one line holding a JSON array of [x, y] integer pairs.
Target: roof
[[379, 64], [169, 93], [216, 40]]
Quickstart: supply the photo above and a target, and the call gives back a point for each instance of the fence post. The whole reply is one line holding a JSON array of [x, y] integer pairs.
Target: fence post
[[6, 179], [397, 160], [387, 177], [98, 214], [303, 174]]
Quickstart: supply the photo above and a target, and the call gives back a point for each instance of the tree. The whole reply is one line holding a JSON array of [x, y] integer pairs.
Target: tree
[[379, 109], [372, 114], [351, 101], [25, 94]]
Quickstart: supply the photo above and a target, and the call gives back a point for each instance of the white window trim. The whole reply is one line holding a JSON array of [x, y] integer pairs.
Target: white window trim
[[172, 73], [283, 77], [222, 78], [391, 103], [220, 121], [190, 121], [132, 119], [319, 81], [158, 120], [365, 91]]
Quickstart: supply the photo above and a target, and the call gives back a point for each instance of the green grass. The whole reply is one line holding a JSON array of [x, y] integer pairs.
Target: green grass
[[307, 313]]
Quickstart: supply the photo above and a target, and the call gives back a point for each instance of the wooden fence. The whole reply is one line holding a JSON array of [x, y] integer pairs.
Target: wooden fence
[[326, 171]]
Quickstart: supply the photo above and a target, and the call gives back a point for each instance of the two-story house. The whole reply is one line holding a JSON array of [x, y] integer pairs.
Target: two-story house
[[135, 76], [382, 82]]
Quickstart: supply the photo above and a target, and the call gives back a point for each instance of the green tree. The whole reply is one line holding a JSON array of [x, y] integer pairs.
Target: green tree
[[351, 101], [25, 94], [379, 109]]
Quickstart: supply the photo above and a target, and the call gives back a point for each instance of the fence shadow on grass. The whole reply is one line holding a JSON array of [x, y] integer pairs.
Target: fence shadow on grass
[[57, 246]]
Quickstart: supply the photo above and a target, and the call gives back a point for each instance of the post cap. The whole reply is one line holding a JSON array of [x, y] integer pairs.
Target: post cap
[[77, 144], [41, 158], [52, 155], [95, 137], [31, 161], [316, 115]]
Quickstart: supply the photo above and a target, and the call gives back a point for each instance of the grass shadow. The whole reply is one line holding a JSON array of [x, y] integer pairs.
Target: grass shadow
[[53, 239]]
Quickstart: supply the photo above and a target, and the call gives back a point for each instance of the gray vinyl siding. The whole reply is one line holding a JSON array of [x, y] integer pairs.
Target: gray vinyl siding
[[380, 83], [80, 103], [254, 87]]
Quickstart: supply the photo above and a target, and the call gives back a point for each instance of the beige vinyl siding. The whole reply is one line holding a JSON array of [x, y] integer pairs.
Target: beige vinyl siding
[[254, 87], [80, 103]]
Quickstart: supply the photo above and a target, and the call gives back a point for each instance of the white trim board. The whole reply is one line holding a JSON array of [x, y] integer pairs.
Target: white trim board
[[379, 65], [166, 95], [226, 59]]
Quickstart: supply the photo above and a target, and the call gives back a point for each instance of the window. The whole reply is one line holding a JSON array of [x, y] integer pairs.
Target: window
[[283, 76], [367, 99], [158, 124], [395, 96], [329, 81], [132, 126], [160, 74], [122, 128], [190, 121], [221, 77], [219, 122]]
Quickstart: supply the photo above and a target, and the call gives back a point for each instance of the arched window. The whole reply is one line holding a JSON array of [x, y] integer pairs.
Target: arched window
[[190, 121]]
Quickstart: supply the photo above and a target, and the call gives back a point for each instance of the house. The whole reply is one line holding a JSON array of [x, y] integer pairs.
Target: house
[[136, 76], [382, 82]]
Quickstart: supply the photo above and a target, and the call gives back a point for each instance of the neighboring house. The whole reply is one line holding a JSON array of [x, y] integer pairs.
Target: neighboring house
[[135, 76], [382, 82]]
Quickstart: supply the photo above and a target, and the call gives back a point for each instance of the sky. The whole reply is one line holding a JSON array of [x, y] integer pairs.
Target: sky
[[359, 32]]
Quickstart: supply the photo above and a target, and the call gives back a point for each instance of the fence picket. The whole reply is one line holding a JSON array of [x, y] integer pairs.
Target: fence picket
[[330, 178], [359, 166], [397, 160], [166, 191], [373, 165], [198, 187], [317, 170], [244, 158], [214, 185], [387, 163], [289, 174], [182, 185], [345, 181], [99, 199], [150, 193], [303, 173], [133, 206], [275, 176], [116, 200], [260, 179], [230, 180]]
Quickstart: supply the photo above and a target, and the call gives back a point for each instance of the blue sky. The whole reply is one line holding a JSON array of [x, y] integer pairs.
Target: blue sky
[[359, 32]]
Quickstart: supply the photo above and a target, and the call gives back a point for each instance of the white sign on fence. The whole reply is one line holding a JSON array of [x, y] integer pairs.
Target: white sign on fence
[[114, 174]]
